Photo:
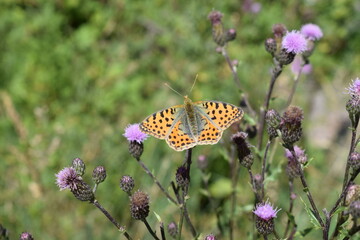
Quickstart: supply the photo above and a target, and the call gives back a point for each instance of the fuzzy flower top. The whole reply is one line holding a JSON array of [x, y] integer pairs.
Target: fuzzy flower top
[[311, 31], [354, 88], [133, 133], [265, 211], [67, 178], [294, 42]]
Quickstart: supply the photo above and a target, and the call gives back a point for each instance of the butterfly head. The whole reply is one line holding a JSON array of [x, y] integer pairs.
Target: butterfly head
[[187, 100]]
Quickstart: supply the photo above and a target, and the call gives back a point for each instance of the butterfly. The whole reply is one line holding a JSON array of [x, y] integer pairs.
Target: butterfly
[[193, 123]]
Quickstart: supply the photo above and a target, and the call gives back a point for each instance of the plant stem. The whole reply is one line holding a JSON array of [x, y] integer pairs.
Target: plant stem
[[232, 68], [263, 170], [291, 199], [295, 86], [162, 231], [156, 181], [234, 178], [149, 229], [112, 220], [276, 72], [307, 190]]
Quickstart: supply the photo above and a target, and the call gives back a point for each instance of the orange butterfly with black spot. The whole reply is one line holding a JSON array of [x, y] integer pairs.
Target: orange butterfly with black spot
[[193, 123]]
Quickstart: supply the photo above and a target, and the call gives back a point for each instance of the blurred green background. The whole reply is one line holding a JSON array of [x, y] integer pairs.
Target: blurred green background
[[75, 73]]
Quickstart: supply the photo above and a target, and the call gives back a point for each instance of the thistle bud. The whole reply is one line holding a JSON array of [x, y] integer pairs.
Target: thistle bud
[[273, 120], [79, 166], [210, 237], [245, 156], [354, 209], [83, 192], [285, 57], [354, 160], [353, 194], [258, 182], [127, 184], [218, 33], [99, 174], [4, 234], [182, 177], [290, 125], [279, 30], [270, 46], [172, 229], [202, 162], [230, 35], [139, 205]]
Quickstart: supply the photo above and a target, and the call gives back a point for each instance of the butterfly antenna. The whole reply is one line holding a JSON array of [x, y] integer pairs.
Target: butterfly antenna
[[166, 84], [194, 83]]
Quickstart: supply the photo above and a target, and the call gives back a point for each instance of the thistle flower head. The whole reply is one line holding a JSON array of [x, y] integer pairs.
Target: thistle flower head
[[79, 166], [245, 155], [215, 17], [210, 237], [265, 211], [182, 176], [294, 42], [279, 30], [354, 88], [311, 31], [300, 155], [133, 133], [297, 65], [99, 174], [172, 229], [67, 179], [354, 209], [26, 236]]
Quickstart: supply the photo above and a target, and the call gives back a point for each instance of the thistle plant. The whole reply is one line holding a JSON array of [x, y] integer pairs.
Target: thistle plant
[[281, 127]]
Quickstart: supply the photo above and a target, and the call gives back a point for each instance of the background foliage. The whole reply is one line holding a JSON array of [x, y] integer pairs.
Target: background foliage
[[75, 73]]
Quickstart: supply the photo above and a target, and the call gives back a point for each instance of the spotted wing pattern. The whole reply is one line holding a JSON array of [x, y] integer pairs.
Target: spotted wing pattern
[[160, 124], [178, 139], [210, 134], [220, 114]]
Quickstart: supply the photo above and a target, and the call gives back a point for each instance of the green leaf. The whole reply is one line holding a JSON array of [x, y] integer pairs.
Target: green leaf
[[221, 188], [306, 231], [158, 217], [313, 219]]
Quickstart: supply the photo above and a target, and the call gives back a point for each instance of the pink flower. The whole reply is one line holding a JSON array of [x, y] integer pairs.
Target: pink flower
[[133, 133], [296, 66], [294, 42], [354, 88], [67, 179], [311, 31], [265, 211]]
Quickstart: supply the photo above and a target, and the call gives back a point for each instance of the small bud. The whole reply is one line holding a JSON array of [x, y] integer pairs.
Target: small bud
[[290, 125], [251, 131], [99, 174], [354, 160], [230, 35], [245, 156], [279, 30], [218, 32], [202, 162], [79, 166], [293, 169], [353, 194], [139, 205], [285, 57], [136, 149], [127, 184], [265, 214], [273, 120], [26, 236], [310, 49], [83, 192], [270, 46], [354, 209], [258, 182], [210, 237], [182, 177], [172, 229]]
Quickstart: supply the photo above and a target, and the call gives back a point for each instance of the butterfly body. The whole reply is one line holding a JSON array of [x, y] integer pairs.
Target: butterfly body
[[193, 123]]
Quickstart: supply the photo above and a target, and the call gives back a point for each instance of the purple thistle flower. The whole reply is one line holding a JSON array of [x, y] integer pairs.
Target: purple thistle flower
[[311, 31], [300, 155], [354, 88], [296, 66], [67, 179], [294, 42], [265, 211], [133, 133]]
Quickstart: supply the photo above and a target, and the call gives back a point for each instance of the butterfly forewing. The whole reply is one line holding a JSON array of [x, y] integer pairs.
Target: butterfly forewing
[[222, 114], [160, 123]]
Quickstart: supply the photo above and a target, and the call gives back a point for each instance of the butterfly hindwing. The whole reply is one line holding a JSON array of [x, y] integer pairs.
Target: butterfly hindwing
[[210, 133], [221, 114], [160, 123], [178, 139]]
